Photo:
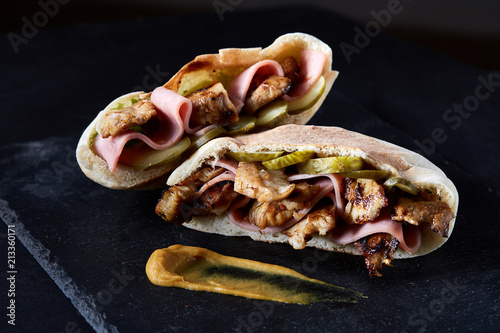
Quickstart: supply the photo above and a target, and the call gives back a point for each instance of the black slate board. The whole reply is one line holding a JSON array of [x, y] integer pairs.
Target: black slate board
[[94, 242]]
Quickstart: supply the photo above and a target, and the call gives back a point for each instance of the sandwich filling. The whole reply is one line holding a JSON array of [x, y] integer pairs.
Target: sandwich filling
[[301, 195], [258, 97]]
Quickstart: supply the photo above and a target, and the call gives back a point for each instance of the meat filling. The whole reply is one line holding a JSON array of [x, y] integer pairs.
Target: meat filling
[[377, 251], [320, 221], [435, 213], [365, 198], [271, 88], [121, 120], [212, 106]]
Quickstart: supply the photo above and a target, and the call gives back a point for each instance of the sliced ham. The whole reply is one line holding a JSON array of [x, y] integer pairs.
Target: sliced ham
[[311, 67], [228, 175], [174, 113], [225, 163], [337, 184], [408, 236]]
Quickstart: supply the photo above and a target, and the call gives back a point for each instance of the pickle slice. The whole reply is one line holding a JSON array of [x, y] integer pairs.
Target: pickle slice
[[149, 158], [255, 157], [330, 165], [367, 174], [309, 99], [245, 124], [272, 113], [290, 159], [198, 141], [402, 184]]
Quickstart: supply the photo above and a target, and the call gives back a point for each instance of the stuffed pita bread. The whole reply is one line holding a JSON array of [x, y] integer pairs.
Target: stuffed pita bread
[[140, 137], [323, 187]]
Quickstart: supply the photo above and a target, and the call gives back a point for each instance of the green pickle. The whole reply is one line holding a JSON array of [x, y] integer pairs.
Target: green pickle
[[287, 160], [402, 184], [309, 99], [366, 174], [255, 157], [330, 165], [245, 124], [150, 158], [197, 142], [272, 113]]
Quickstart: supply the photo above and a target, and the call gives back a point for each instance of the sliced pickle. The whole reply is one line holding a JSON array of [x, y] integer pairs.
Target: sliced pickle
[[152, 157], [330, 165], [309, 99], [255, 157], [402, 184], [198, 141], [287, 160], [272, 113], [367, 174], [245, 124]]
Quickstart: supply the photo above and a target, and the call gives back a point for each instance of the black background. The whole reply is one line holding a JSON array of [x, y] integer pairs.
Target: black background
[[84, 236]]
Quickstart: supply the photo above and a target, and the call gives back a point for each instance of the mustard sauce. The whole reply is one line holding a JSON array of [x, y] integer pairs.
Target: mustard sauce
[[197, 268]]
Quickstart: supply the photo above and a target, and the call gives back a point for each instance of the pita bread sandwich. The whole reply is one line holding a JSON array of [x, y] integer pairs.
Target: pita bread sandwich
[[139, 138], [324, 187]]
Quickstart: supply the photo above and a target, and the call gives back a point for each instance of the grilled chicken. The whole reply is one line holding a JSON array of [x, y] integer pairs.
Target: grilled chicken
[[217, 198], [271, 88], [177, 202], [212, 106], [256, 182], [320, 221], [365, 198], [377, 250], [290, 68], [435, 213], [272, 214], [120, 120]]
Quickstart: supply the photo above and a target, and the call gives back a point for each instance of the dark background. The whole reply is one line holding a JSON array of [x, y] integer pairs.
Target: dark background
[[90, 52]]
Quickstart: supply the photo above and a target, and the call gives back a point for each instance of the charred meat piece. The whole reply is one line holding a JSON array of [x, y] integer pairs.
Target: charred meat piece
[[290, 68], [271, 88], [377, 250], [320, 221], [120, 120], [217, 198], [365, 198], [176, 203], [256, 182], [437, 214], [212, 106], [173, 205]]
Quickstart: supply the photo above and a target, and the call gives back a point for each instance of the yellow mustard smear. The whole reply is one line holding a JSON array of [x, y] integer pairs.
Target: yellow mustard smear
[[200, 269]]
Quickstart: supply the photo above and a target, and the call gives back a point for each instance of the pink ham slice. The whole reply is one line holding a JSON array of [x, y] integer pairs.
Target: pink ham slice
[[174, 112], [311, 67], [228, 175], [408, 237]]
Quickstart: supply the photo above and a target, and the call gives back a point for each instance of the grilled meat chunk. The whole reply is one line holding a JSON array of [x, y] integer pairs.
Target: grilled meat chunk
[[177, 202], [212, 106], [217, 198], [290, 68], [276, 213], [320, 221], [271, 88], [173, 204], [120, 120], [365, 198], [377, 251], [255, 181], [435, 213]]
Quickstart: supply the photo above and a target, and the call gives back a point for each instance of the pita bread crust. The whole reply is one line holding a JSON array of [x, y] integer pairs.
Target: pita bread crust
[[228, 62], [327, 141]]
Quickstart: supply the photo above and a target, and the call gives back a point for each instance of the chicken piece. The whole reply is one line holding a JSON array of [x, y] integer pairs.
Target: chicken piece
[[256, 182], [290, 68], [272, 214], [176, 203], [377, 251], [217, 198], [271, 88], [120, 120], [212, 106], [173, 205], [365, 198], [320, 221], [437, 214]]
